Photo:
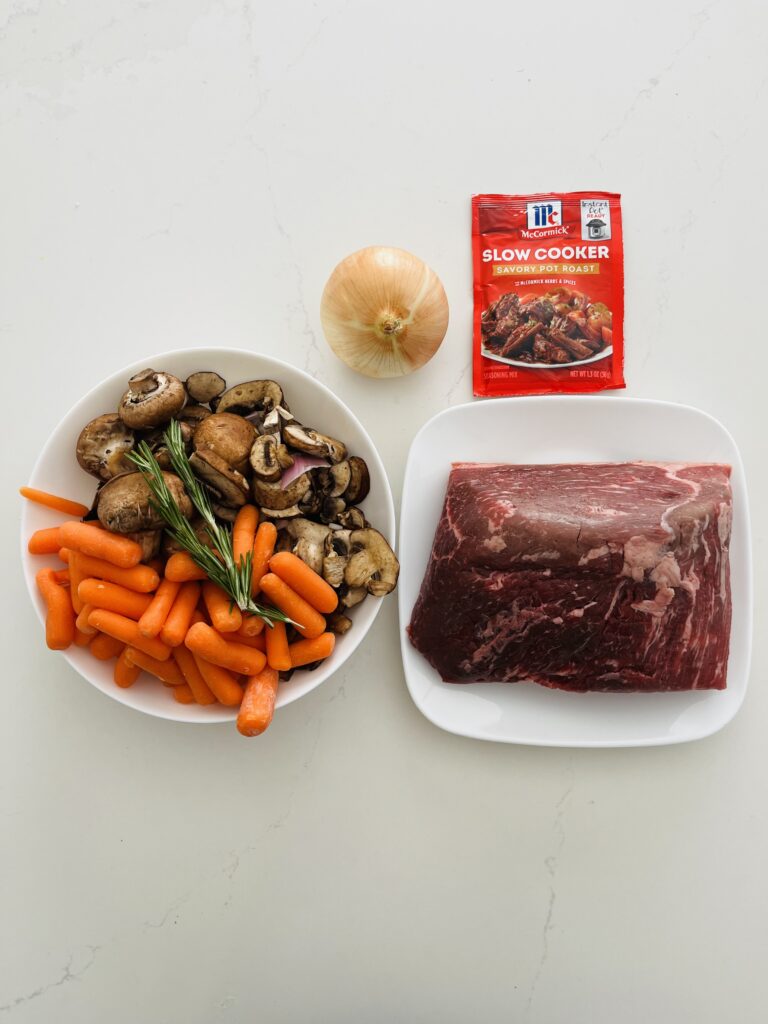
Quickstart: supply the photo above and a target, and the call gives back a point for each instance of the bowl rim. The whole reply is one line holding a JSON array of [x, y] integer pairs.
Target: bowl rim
[[352, 640]]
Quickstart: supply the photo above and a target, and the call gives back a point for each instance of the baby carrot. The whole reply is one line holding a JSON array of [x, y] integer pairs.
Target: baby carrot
[[180, 616], [102, 594], [126, 630], [304, 581], [258, 704], [105, 647], [259, 643], [304, 652], [206, 643], [182, 694], [121, 551], [221, 682], [60, 618], [167, 671], [75, 579], [278, 655], [61, 576], [263, 546], [308, 622], [45, 542], [140, 578], [82, 639], [181, 568], [69, 508], [153, 619], [226, 617], [252, 625], [82, 624], [126, 672], [186, 662], [244, 531]]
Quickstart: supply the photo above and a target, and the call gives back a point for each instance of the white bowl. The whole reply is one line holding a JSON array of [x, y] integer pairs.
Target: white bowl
[[573, 428], [57, 471]]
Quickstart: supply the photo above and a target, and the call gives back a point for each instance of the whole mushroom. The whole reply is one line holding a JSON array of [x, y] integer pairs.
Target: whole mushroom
[[228, 436], [102, 446], [152, 398], [125, 503]]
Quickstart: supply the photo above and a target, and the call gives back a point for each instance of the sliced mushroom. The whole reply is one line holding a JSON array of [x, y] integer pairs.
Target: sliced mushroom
[[193, 416], [331, 509], [349, 597], [284, 540], [155, 439], [205, 385], [224, 512], [273, 496], [102, 446], [125, 503], [152, 398], [228, 436], [149, 541], [229, 487], [372, 563], [339, 623], [251, 396], [334, 480], [360, 481], [269, 457], [276, 419], [313, 442], [281, 513], [308, 541], [352, 519], [336, 556]]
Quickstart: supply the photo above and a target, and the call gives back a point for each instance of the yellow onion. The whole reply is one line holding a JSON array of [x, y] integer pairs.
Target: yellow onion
[[384, 312]]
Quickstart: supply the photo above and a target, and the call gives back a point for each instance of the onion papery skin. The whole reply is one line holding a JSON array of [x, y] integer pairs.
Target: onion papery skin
[[384, 312]]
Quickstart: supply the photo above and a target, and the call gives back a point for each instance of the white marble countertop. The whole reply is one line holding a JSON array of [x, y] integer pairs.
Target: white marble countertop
[[187, 173]]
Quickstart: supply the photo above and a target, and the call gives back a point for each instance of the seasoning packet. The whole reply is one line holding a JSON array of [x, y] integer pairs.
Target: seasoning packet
[[548, 293]]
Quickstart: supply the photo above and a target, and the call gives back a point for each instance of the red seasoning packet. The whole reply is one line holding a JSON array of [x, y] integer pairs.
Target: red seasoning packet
[[549, 293]]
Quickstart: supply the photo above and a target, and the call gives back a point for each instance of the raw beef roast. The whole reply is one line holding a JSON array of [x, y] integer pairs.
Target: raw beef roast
[[608, 576]]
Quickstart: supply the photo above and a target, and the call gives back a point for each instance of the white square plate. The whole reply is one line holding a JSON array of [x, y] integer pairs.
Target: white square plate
[[568, 429]]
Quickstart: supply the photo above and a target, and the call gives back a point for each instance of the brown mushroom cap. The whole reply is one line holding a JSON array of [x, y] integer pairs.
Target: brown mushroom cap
[[228, 436], [152, 398], [205, 385], [125, 503], [102, 446]]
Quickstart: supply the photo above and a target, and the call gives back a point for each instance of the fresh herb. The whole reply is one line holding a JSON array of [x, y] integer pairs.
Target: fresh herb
[[218, 561]]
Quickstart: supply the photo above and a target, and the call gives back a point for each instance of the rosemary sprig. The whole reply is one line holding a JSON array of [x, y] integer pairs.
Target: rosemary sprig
[[218, 562]]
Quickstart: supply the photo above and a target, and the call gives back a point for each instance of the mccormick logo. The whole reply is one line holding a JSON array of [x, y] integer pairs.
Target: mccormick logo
[[547, 213]]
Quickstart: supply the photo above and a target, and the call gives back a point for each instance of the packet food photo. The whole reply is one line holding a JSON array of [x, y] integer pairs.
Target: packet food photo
[[548, 293]]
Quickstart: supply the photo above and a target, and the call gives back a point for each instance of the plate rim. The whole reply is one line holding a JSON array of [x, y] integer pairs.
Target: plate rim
[[218, 714], [595, 358], [407, 650]]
